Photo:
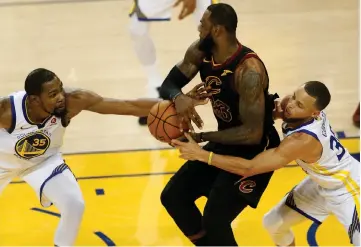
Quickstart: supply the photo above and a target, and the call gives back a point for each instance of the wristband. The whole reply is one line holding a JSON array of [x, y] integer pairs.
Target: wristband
[[210, 158]]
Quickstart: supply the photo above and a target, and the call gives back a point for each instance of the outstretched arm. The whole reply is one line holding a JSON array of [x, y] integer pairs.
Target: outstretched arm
[[5, 113], [80, 100], [291, 148], [266, 161]]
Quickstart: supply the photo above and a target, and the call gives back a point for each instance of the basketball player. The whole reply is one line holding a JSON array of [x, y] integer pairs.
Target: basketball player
[[145, 12], [238, 83], [332, 184], [32, 126]]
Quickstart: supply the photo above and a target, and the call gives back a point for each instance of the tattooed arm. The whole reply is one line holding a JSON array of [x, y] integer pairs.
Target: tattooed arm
[[178, 77], [250, 82], [182, 73]]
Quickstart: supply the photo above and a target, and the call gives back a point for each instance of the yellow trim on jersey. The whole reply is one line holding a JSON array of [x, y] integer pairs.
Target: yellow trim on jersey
[[344, 176], [355, 193], [26, 110], [215, 64], [132, 10], [341, 173]]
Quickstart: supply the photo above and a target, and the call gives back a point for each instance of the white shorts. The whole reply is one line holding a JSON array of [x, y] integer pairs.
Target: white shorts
[[161, 10], [36, 176], [316, 203]]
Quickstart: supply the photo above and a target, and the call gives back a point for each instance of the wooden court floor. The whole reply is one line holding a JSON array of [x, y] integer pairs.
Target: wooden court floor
[[121, 192], [86, 42]]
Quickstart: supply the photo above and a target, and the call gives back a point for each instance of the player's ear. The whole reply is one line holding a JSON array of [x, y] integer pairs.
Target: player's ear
[[316, 114], [34, 99], [216, 30]]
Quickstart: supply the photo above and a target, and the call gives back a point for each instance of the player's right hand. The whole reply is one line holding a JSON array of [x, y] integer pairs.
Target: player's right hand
[[277, 111], [188, 8], [184, 106], [280, 107]]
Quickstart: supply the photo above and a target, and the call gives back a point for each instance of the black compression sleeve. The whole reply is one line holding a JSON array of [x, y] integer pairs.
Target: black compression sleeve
[[173, 84]]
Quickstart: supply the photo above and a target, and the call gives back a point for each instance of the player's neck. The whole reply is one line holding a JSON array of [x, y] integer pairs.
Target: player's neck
[[225, 50], [34, 114]]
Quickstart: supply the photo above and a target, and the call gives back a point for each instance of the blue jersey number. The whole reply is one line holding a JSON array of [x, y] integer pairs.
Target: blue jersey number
[[335, 144]]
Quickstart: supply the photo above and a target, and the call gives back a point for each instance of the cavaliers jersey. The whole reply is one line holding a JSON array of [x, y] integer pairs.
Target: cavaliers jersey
[[336, 166], [27, 144], [221, 79]]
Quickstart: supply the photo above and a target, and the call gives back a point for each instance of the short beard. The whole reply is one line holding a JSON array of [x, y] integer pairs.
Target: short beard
[[207, 44], [59, 114], [63, 115]]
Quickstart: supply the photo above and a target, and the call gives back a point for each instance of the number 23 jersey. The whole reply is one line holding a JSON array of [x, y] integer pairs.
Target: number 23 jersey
[[221, 80], [27, 144], [336, 166]]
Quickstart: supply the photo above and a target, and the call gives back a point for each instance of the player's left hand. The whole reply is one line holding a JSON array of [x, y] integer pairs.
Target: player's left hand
[[200, 92], [189, 150], [188, 8]]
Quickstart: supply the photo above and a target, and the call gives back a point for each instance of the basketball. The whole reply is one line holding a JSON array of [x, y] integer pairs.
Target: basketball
[[163, 122]]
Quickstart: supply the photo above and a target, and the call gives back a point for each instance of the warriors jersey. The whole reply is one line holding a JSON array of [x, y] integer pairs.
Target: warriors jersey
[[336, 167], [26, 144]]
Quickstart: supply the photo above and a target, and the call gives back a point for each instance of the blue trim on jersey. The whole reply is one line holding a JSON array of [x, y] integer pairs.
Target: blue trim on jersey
[[13, 115], [355, 225], [24, 110], [290, 202], [27, 118], [285, 130], [309, 133], [153, 19], [294, 207], [148, 19], [58, 170]]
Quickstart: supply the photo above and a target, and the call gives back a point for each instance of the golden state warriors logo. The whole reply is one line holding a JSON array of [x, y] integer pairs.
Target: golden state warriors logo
[[32, 145]]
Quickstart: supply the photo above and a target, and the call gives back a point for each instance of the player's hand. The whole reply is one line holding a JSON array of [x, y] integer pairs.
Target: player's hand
[[189, 150], [200, 92], [181, 139], [188, 8], [277, 111], [184, 106]]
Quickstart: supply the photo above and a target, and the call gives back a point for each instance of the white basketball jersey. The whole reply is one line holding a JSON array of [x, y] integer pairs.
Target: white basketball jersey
[[27, 144], [336, 165]]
